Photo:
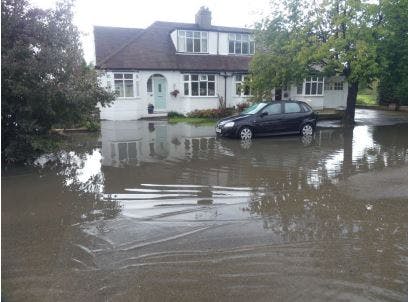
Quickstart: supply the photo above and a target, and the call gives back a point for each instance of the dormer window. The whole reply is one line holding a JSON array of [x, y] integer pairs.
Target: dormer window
[[192, 41], [241, 44]]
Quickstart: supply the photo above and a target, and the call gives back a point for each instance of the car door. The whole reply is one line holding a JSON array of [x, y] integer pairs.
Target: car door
[[269, 118], [292, 117]]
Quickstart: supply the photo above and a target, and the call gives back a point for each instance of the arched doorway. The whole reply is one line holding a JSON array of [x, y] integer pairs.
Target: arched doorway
[[157, 84]]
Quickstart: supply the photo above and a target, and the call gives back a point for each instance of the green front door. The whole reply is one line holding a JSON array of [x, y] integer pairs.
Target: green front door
[[160, 94]]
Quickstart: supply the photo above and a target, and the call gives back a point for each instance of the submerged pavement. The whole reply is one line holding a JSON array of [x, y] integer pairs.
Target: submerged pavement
[[149, 211]]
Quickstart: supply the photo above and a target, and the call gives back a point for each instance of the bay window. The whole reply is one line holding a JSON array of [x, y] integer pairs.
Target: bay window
[[241, 44], [199, 84], [192, 41]]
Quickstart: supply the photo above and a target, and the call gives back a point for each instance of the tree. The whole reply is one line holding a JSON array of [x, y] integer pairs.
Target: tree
[[393, 50], [45, 80], [331, 37]]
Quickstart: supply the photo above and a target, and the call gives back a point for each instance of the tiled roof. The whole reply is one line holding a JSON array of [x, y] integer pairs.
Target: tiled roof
[[152, 49], [110, 39]]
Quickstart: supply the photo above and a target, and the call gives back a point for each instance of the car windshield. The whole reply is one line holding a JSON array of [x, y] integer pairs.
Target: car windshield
[[255, 108]]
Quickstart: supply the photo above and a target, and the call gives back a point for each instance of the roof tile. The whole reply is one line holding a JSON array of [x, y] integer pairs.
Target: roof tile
[[152, 49]]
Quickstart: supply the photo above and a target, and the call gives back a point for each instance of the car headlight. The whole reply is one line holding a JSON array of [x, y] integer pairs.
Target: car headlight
[[229, 125]]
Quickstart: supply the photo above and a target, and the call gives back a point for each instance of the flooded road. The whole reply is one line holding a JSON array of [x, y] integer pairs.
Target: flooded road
[[150, 211]]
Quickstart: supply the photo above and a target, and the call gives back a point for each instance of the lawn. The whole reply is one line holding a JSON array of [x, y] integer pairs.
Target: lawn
[[367, 97], [192, 120]]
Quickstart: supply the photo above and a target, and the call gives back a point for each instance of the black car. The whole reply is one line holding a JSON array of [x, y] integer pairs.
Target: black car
[[269, 118]]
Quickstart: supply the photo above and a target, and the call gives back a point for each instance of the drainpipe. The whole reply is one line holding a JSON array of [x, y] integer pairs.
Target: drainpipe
[[225, 89], [225, 75]]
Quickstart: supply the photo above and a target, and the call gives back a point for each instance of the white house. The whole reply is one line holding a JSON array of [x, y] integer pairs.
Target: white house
[[187, 66]]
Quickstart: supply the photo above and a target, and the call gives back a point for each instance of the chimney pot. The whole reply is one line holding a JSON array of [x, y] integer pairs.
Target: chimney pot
[[203, 18]]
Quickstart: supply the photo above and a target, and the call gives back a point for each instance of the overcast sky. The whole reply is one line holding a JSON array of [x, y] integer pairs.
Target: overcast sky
[[140, 14]]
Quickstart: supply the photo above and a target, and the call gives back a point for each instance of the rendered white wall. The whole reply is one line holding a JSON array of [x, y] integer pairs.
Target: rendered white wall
[[212, 43], [135, 108], [223, 44], [333, 99], [173, 36]]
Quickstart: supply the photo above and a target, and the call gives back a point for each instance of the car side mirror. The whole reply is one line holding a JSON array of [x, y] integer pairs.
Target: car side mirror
[[264, 113]]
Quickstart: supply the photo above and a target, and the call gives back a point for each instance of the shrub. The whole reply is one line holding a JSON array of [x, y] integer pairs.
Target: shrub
[[211, 113], [175, 114], [242, 106]]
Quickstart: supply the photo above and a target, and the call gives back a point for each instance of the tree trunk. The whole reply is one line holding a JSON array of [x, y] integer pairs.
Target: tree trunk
[[351, 103]]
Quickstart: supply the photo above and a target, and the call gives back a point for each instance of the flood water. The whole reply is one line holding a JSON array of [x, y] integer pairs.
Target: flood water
[[150, 211]]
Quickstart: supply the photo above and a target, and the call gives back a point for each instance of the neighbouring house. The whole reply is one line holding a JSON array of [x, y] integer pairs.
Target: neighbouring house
[[187, 66]]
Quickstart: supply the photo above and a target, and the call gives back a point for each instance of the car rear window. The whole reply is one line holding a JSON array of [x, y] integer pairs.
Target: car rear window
[[292, 108]]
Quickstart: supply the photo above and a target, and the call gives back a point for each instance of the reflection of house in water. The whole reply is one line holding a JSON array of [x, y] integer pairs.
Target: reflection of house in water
[[185, 154], [182, 153], [130, 143]]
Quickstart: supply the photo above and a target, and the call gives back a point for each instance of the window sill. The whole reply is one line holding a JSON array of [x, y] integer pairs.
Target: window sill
[[199, 96], [127, 98], [309, 95], [191, 53], [241, 54]]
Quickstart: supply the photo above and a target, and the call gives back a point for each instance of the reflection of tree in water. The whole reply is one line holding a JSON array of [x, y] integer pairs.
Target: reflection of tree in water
[[81, 175], [351, 236]]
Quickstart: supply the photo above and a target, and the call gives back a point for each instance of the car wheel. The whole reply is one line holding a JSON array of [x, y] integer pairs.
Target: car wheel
[[245, 133], [307, 129]]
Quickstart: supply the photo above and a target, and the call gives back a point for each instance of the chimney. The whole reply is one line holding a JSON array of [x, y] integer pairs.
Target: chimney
[[203, 18]]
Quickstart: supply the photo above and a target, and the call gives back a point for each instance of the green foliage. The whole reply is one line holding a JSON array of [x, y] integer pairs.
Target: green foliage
[[393, 47], [211, 113], [92, 125], [367, 95], [192, 120], [172, 114], [242, 106], [332, 37], [366, 100], [45, 80]]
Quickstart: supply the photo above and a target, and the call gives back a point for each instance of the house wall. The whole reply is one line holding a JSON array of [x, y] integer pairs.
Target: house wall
[[212, 43], [223, 44], [331, 99], [136, 107], [336, 98], [173, 36]]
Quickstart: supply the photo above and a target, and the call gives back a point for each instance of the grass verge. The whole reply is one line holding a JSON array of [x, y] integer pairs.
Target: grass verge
[[366, 100], [192, 120]]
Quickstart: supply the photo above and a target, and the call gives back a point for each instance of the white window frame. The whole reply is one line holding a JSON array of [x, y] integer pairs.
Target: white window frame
[[182, 37], [313, 80], [135, 84], [336, 86], [241, 82], [187, 80], [241, 39]]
